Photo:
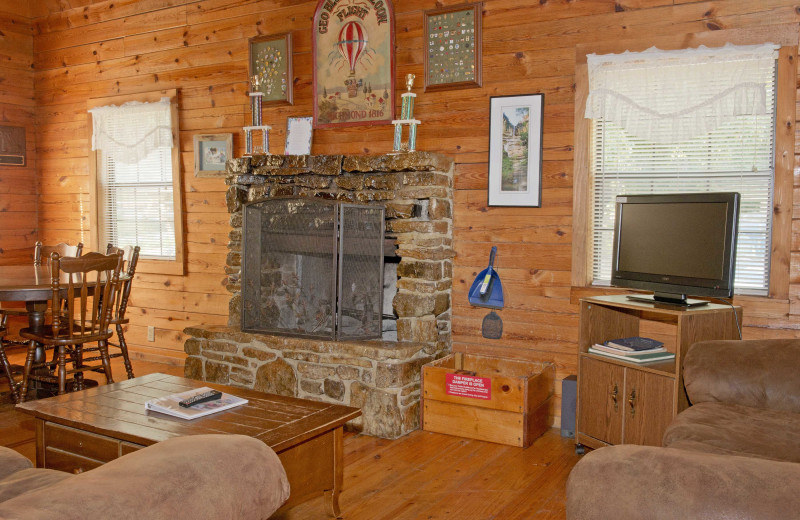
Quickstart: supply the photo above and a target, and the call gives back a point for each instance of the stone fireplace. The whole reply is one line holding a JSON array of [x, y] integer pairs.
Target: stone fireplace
[[381, 376]]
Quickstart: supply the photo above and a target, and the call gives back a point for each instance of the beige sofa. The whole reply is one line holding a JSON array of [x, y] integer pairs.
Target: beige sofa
[[197, 477], [733, 454]]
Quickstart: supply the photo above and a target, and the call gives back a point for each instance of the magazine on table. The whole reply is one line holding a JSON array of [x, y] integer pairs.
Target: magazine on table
[[169, 404]]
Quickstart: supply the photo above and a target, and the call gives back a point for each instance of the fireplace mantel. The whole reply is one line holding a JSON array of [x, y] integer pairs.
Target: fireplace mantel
[[416, 190]]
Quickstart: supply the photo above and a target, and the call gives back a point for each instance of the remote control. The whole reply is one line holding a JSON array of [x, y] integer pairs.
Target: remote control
[[211, 395]]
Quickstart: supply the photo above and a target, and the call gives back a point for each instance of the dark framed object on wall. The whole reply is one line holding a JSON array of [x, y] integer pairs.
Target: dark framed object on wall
[[12, 146], [515, 150], [353, 63], [452, 54], [270, 68]]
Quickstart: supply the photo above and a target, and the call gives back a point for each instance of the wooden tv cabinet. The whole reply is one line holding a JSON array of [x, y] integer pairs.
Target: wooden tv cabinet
[[627, 403]]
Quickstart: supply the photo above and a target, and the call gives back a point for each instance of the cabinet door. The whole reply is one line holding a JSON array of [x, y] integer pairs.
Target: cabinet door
[[648, 406], [601, 400]]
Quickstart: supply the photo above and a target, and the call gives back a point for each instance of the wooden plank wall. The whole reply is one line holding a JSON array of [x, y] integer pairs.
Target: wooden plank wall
[[86, 48], [18, 185]]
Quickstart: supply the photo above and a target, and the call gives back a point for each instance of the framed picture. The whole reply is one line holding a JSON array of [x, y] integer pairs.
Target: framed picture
[[298, 136], [270, 68], [452, 57], [515, 150], [211, 152], [353, 57]]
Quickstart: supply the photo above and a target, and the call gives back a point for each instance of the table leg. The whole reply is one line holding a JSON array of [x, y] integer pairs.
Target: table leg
[[332, 495], [36, 321]]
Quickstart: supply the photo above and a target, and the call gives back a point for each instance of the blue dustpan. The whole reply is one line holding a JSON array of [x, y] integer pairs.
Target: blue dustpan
[[486, 290]]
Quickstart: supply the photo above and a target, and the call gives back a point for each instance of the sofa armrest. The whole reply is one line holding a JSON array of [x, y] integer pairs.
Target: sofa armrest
[[630, 482], [11, 462], [199, 477], [757, 373]]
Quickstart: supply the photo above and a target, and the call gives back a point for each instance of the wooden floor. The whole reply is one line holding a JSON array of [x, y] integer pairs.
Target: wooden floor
[[420, 476]]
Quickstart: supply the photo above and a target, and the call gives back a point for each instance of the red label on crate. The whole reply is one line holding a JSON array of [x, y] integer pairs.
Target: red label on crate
[[468, 386]]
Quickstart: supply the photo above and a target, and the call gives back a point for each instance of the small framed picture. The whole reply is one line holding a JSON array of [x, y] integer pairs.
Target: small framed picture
[[452, 53], [270, 68], [211, 152], [298, 135], [515, 150]]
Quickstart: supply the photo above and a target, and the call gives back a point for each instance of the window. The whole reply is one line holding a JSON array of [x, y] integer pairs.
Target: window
[[137, 170], [780, 156], [696, 120]]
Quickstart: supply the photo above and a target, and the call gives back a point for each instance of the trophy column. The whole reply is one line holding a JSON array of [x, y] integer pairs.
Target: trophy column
[[406, 118], [256, 123]]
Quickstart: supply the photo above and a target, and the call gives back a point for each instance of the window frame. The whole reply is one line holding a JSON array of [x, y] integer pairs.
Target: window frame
[[167, 267], [785, 35]]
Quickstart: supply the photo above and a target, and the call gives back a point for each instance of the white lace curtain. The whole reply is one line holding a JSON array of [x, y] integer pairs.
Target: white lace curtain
[[673, 96], [130, 132]]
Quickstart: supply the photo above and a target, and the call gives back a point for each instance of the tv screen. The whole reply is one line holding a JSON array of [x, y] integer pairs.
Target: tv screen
[[676, 245]]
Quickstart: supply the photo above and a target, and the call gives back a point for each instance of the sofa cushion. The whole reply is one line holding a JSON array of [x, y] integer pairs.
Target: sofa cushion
[[757, 373], [629, 482], [11, 462], [202, 477], [29, 480], [736, 430]]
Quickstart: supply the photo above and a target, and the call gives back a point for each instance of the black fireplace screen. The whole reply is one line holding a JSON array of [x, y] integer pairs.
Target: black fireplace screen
[[313, 268]]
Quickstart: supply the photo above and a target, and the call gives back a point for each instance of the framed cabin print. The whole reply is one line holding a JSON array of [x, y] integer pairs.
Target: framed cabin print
[[452, 55], [211, 152], [515, 150], [353, 56], [270, 68]]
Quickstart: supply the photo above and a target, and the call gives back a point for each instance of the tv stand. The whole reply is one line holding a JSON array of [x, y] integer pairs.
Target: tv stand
[[678, 300], [623, 402]]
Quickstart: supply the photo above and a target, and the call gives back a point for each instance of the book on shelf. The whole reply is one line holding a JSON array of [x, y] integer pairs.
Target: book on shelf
[[621, 352], [639, 357], [169, 404], [634, 343]]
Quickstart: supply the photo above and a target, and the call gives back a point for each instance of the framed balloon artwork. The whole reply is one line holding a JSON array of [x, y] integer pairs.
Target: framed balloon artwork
[[354, 66]]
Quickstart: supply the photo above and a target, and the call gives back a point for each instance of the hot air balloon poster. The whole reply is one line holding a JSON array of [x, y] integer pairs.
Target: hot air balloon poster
[[353, 47]]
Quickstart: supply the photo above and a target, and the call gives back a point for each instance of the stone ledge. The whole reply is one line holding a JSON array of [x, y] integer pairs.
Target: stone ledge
[[373, 349]]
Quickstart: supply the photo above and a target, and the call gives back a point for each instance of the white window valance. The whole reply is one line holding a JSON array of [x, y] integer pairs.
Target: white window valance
[[132, 131], [673, 96]]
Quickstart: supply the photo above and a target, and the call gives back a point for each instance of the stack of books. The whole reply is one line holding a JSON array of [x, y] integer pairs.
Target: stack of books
[[636, 350]]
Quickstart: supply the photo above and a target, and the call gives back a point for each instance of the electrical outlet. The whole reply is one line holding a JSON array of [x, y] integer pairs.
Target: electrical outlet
[[151, 333]]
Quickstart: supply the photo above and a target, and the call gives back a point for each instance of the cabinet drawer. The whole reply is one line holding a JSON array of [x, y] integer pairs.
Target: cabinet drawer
[[69, 462], [84, 444]]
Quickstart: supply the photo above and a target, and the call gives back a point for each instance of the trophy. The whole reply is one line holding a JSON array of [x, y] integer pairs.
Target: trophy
[[406, 118], [255, 120]]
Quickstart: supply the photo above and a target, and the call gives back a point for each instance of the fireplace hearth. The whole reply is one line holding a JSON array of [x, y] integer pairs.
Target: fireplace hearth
[[283, 334]]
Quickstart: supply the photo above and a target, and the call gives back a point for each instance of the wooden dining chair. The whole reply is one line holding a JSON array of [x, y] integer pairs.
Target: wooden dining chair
[[118, 319], [86, 301], [4, 361], [63, 250], [43, 251]]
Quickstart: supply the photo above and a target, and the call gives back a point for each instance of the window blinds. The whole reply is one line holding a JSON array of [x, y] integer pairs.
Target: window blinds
[[135, 184], [731, 152]]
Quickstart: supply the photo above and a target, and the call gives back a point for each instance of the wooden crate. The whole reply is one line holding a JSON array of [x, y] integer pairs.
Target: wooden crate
[[487, 398]]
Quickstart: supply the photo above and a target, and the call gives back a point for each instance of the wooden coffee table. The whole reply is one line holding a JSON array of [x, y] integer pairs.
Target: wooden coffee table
[[82, 430]]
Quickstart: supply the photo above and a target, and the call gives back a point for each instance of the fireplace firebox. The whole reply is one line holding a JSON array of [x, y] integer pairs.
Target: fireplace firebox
[[313, 268]]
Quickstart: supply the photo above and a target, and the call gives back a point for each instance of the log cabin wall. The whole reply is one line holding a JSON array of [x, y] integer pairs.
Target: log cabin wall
[[85, 49], [18, 184]]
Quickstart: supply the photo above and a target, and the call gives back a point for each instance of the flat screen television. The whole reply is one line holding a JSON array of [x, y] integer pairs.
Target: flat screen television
[[676, 245]]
